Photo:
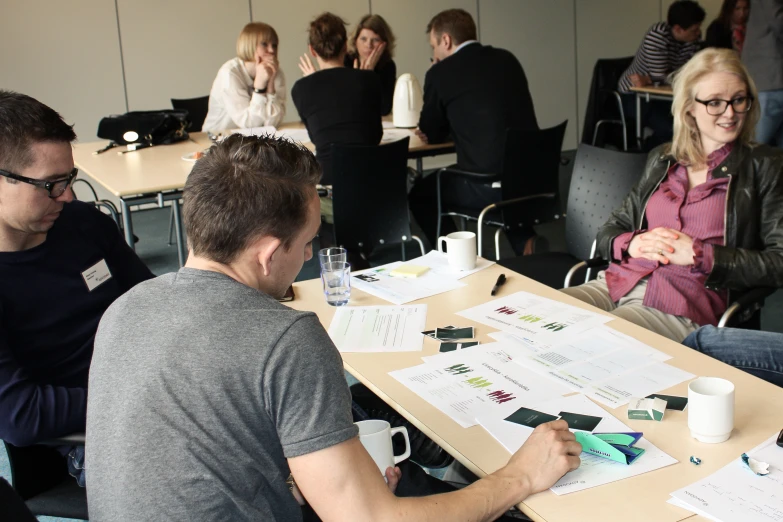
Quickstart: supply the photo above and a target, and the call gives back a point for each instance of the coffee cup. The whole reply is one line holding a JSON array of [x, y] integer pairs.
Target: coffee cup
[[460, 249], [711, 409], [376, 437]]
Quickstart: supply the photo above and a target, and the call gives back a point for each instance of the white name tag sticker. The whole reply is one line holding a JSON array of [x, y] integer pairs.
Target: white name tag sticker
[[96, 275]]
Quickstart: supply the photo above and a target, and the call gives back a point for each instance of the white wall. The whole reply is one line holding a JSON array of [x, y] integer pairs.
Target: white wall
[[109, 56]]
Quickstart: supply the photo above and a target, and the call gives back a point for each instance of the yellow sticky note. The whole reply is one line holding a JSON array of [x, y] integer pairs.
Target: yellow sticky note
[[409, 271]]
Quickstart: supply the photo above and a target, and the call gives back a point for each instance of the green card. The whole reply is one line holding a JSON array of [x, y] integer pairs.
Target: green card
[[673, 402]]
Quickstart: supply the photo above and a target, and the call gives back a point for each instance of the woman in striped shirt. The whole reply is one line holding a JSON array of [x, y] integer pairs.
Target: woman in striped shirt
[[706, 218]]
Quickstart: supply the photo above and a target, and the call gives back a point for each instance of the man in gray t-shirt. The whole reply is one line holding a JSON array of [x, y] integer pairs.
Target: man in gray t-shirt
[[206, 393]]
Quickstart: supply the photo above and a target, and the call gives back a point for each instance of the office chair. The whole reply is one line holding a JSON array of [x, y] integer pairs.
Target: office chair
[[197, 109]]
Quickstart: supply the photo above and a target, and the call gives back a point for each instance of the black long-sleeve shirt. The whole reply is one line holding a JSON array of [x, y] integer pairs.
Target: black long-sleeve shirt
[[387, 74], [48, 319]]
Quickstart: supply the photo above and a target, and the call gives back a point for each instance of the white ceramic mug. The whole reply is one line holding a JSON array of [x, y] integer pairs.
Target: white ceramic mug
[[461, 249], [711, 409], [376, 437]]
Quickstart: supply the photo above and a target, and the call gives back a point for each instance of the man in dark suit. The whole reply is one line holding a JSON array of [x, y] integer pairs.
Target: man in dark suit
[[473, 93]]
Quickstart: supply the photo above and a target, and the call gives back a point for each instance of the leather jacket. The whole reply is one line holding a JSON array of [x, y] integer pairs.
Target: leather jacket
[[752, 255]]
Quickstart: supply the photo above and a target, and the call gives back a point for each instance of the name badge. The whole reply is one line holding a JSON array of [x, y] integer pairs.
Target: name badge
[[96, 275]]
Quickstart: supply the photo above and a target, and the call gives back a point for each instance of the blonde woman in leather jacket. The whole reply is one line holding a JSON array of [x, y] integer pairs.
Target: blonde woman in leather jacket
[[706, 218]]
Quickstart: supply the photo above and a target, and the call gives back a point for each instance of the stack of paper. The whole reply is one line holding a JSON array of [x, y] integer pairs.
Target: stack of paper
[[735, 494], [606, 365], [267, 130], [400, 290], [480, 381], [594, 471]]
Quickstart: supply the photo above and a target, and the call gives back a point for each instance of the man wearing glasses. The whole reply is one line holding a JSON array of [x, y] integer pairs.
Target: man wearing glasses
[[62, 263]]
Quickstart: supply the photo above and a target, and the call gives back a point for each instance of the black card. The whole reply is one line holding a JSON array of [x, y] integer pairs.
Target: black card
[[577, 421], [529, 418], [454, 333], [673, 402], [450, 347]]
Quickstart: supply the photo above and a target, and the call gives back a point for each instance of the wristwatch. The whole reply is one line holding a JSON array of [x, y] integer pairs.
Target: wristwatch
[[260, 91]]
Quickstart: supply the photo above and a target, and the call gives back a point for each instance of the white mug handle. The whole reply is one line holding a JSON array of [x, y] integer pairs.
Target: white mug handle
[[404, 431], [441, 239]]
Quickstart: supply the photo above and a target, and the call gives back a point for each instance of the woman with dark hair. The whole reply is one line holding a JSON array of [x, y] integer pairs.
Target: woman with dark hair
[[371, 48], [728, 30], [336, 104]]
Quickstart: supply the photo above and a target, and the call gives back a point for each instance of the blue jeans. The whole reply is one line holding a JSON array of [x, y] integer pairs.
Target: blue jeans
[[758, 353], [769, 129], [75, 459]]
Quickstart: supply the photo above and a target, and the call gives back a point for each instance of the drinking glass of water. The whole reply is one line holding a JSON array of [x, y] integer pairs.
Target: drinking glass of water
[[332, 255], [336, 278]]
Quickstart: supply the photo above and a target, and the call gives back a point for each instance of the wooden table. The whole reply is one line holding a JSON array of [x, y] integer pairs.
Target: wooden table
[[158, 174], [660, 92], [758, 414]]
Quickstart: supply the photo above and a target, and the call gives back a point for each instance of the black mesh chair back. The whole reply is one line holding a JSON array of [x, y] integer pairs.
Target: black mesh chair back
[[369, 195], [12, 506], [196, 107], [40, 477], [531, 165], [600, 182]]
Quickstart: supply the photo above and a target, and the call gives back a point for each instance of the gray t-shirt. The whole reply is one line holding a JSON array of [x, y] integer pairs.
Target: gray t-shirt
[[200, 389]]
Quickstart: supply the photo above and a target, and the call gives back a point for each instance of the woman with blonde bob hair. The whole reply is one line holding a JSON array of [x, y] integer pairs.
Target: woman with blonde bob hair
[[371, 48], [249, 90], [705, 221]]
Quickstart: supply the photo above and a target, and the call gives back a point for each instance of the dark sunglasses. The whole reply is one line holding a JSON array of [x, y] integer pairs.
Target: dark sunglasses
[[55, 188]]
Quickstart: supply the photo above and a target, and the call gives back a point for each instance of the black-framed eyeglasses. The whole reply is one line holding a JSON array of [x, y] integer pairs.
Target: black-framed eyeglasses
[[716, 107], [55, 188]]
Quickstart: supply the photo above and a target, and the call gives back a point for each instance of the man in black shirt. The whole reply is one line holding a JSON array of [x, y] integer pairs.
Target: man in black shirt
[[62, 263], [473, 93]]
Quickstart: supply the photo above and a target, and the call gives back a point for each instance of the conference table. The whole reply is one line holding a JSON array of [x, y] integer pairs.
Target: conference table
[[758, 414], [651, 92], [158, 174]]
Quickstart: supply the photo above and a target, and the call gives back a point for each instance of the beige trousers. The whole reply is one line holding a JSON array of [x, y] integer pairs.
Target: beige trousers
[[630, 308]]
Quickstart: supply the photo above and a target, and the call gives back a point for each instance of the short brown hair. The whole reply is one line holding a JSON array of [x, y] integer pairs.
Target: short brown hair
[[457, 23], [244, 188], [328, 36], [378, 25], [253, 34], [25, 121]]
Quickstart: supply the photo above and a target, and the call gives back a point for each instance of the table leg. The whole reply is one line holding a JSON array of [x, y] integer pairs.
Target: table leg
[[127, 224], [639, 120], [181, 254], [420, 166]]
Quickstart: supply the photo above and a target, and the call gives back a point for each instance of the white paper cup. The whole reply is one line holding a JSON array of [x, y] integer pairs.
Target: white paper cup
[[376, 437], [711, 409], [460, 249]]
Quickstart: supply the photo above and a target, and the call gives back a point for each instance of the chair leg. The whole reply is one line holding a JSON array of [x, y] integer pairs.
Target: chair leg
[[171, 226], [421, 244], [402, 244], [497, 244]]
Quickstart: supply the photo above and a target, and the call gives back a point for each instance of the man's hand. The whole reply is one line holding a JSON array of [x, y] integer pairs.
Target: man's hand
[[372, 60], [656, 245], [640, 80], [549, 453], [422, 136], [393, 476], [306, 66]]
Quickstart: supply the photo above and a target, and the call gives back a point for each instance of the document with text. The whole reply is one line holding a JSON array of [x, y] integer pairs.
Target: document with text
[[378, 328]]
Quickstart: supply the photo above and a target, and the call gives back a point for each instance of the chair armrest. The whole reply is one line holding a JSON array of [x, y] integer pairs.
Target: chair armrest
[[466, 173], [746, 305], [74, 439], [595, 262], [505, 203]]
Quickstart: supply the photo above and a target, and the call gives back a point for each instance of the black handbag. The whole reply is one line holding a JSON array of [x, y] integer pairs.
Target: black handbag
[[145, 128]]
